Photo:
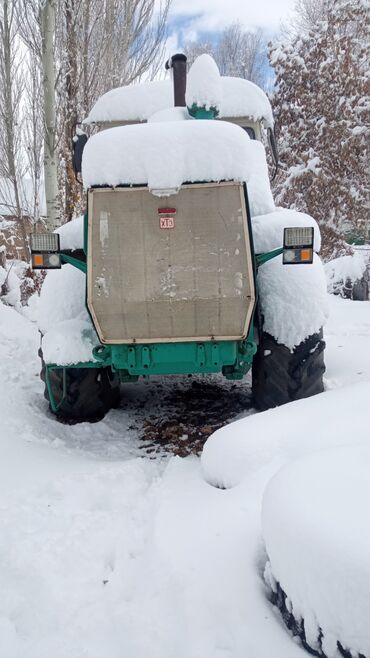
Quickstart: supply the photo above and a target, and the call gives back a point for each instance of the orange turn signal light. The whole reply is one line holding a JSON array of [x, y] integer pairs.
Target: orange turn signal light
[[306, 255], [38, 260]]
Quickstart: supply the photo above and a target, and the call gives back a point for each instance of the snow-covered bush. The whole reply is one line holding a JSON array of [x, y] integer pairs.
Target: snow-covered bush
[[19, 284], [348, 277], [10, 284], [321, 107]]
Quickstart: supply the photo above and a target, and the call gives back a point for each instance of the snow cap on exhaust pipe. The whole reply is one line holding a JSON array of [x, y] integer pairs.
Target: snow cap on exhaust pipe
[[204, 88], [178, 65]]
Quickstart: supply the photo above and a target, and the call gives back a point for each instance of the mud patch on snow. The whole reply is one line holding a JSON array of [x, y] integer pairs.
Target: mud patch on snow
[[177, 415]]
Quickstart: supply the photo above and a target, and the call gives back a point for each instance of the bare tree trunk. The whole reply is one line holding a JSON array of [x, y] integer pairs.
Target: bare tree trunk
[[50, 147], [85, 56], [71, 190], [34, 133], [85, 47], [9, 107]]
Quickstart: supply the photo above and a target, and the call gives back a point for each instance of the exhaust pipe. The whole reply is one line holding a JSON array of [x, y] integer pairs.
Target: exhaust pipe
[[178, 64]]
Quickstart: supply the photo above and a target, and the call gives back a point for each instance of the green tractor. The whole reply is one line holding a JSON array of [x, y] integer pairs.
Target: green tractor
[[181, 264]]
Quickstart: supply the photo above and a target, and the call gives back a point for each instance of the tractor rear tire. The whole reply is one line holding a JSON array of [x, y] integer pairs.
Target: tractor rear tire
[[90, 393], [280, 375]]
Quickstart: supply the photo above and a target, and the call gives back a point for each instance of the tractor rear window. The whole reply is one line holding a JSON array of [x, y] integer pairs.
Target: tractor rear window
[[250, 132]]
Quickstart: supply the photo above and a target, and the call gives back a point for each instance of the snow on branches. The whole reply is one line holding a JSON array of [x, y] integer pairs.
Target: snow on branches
[[322, 109]]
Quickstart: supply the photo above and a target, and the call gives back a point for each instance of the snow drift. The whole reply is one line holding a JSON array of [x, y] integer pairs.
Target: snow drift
[[72, 234], [92, 551], [293, 300], [239, 98], [306, 426], [343, 272], [165, 155], [317, 538], [268, 229], [68, 333]]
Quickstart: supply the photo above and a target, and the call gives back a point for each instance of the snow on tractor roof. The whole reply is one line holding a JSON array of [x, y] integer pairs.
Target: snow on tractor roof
[[168, 154], [136, 103]]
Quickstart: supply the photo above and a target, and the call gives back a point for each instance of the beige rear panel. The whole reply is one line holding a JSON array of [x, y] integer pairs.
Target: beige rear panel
[[152, 284]]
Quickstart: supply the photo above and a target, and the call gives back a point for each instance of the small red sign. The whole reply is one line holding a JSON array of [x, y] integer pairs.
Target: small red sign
[[167, 222], [167, 211]]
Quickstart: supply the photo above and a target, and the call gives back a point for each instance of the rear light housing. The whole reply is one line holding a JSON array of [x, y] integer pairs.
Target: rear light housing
[[298, 245], [45, 251]]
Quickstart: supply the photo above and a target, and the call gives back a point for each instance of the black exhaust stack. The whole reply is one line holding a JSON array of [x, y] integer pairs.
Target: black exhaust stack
[[178, 64]]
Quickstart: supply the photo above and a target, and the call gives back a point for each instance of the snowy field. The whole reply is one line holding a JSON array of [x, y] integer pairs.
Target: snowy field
[[105, 553]]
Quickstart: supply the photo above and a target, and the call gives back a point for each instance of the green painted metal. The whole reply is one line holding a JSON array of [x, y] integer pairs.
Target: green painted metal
[[357, 240], [202, 113], [168, 358], [269, 255], [86, 223], [54, 405], [260, 259], [81, 265], [232, 358], [49, 367]]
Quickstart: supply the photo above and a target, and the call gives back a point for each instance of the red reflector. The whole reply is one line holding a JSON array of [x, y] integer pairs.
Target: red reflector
[[167, 211]]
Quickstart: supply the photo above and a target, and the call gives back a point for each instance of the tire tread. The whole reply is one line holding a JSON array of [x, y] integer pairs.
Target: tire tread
[[282, 375]]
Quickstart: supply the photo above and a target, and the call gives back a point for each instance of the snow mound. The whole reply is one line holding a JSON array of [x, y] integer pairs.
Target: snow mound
[[165, 155], [70, 341], [10, 279], [268, 230], [68, 333], [293, 300], [72, 234], [273, 437], [343, 269], [94, 541], [132, 103], [203, 87], [318, 542], [170, 114], [240, 98], [13, 325]]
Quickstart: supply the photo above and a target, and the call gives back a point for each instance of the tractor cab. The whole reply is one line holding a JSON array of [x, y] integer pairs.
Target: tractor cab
[[242, 103]]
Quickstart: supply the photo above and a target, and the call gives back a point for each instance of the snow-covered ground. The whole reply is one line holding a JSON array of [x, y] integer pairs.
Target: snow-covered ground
[[106, 553]]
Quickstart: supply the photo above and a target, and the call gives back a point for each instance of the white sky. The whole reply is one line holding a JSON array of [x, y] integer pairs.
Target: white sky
[[214, 15]]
